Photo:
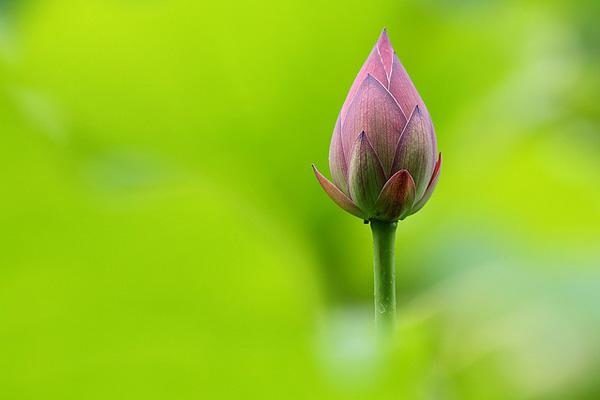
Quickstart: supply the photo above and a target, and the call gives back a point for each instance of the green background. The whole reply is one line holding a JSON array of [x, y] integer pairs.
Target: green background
[[162, 235]]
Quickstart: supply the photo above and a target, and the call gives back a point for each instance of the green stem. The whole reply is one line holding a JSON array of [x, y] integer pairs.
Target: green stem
[[384, 235]]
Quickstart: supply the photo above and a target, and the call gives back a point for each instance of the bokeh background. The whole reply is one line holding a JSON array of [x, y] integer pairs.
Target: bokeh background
[[162, 235]]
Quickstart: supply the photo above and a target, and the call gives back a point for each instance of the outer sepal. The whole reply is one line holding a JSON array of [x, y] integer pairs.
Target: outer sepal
[[338, 196]]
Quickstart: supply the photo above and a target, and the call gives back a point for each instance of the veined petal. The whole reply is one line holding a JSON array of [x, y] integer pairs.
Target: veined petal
[[432, 184], [386, 53], [337, 160], [414, 151], [406, 94], [372, 66], [366, 176], [396, 197], [403, 89], [375, 112], [337, 196]]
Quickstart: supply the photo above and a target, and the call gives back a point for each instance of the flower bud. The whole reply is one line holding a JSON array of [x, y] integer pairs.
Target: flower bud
[[383, 156]]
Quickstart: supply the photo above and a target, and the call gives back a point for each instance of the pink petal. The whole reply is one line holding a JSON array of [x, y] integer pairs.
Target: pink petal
[[337, 196], [404, 90], [372, 66], [414, 151], [432, 184], [396, 197], [386, 53], [375, 112], [337, 161]]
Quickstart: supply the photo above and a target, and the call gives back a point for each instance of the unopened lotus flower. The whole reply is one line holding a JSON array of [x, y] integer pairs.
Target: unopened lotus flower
[[383, 156]]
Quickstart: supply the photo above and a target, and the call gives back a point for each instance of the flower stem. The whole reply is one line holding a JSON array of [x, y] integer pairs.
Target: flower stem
[[384, 235]]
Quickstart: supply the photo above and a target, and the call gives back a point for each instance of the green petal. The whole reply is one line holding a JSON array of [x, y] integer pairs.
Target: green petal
[[366, 176]]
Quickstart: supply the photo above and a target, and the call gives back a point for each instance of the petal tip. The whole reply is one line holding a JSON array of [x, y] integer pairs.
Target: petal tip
[[384, 34], [383, 37]]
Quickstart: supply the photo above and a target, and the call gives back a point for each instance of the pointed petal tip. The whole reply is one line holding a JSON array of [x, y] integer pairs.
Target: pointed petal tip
[[383, 36], [370, 79], [418, 110], [386, 51]]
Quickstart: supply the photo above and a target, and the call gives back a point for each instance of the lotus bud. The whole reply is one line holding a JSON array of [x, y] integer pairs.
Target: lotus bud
[[383, 156]]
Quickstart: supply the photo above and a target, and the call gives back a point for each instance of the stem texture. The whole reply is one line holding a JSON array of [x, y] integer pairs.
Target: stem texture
[[384, 235]]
